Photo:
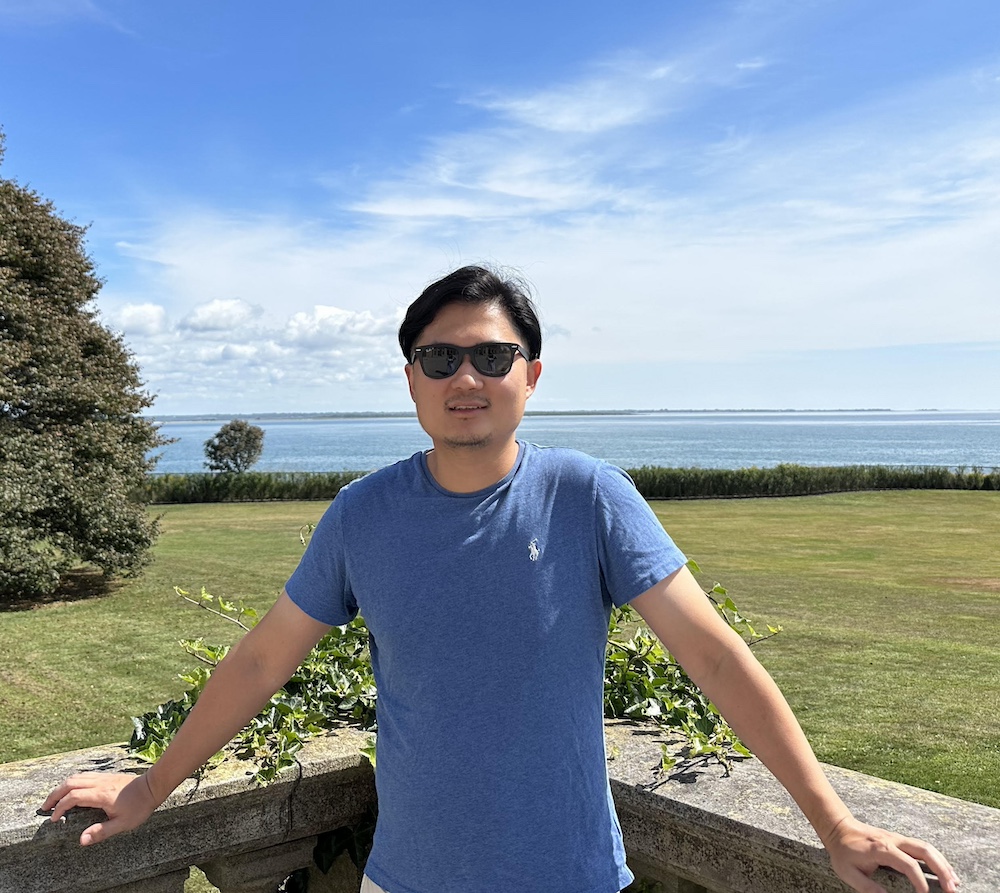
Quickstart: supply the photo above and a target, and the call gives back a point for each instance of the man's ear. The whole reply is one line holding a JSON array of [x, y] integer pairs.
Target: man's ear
[[534, 373], [408, 369]]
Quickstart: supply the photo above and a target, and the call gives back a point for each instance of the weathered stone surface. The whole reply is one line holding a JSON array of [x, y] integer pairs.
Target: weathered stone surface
[[695, 831], [224, 815], [744, 834], [166, 883]]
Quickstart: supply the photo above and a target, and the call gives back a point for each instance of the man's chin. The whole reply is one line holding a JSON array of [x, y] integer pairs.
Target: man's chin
[[470, 442]]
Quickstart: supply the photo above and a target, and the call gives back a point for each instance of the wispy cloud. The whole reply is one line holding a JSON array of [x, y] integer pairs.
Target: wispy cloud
[[619, 96], [752, 64]]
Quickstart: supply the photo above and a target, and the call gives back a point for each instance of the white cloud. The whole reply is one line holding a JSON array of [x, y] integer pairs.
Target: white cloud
[[220, 315], [243, 352], [325, 327], [468, 178], [194, 254], [140, 319]]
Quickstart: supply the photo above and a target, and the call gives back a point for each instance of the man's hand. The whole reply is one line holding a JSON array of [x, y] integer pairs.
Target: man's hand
[[126, 799], [857, 850], [256, 667]]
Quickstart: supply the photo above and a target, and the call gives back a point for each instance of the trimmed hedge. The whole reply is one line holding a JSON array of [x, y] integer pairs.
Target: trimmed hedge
[[652, 482], [803, 480], [247, 486]]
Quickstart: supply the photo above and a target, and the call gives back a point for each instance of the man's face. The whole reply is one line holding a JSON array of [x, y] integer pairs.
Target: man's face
[[470, 410]]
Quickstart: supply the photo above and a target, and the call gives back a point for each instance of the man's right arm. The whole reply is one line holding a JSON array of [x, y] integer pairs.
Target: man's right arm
[[239, 687]]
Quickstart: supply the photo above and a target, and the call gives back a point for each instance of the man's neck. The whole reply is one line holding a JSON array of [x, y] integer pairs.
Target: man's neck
[[468, 469]]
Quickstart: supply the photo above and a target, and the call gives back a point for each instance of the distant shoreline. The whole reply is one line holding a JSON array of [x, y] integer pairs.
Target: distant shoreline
[[316, 416]]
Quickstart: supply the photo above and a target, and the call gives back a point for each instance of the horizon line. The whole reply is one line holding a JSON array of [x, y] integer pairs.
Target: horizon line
[[348, 414]]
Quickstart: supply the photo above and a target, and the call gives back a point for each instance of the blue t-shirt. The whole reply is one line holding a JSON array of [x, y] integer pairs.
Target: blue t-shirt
[[488, 616]]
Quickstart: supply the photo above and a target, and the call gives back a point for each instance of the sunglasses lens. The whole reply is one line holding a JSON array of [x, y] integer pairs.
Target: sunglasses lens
[[439, 362], [493, 359]]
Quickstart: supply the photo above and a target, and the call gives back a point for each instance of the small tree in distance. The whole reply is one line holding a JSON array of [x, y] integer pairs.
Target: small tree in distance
[[235, 447]]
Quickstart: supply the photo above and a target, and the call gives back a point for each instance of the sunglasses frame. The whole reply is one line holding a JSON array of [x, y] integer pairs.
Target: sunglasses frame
[[463, 352]]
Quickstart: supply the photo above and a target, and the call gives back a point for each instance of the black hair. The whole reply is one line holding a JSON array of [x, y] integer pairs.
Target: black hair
[[474, 285]]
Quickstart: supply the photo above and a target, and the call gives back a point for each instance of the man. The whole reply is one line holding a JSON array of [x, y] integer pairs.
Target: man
[[485, 569]]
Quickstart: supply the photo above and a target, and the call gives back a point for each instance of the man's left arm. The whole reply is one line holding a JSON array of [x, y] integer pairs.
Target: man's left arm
[[721, 664]]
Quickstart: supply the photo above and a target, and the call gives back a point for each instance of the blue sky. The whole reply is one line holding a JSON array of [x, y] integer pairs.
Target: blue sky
[[760, 204]]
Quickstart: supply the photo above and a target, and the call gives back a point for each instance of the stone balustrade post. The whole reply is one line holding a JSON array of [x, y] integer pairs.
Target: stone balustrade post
[[259, 871]]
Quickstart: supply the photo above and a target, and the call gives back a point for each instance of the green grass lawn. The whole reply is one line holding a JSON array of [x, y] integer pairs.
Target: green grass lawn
[[890, 604], [73, 673]]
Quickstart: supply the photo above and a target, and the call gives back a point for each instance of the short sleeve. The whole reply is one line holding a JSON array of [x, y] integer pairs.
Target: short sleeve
[[634, 550], [320, 585]]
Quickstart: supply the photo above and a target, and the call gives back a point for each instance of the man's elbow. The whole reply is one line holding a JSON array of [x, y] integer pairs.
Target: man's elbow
[[253, 663]]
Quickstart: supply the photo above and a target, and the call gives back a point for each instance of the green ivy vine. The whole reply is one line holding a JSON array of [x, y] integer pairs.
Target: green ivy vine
[[334, 684]]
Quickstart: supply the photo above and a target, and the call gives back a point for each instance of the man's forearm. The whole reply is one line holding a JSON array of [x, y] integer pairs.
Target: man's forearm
[[754, 706], [235, 693]]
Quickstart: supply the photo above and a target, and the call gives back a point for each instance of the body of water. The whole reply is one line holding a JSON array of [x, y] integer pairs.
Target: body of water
[[673, 439]]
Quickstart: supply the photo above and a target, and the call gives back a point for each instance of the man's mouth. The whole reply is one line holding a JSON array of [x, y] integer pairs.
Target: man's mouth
[[466, 407]]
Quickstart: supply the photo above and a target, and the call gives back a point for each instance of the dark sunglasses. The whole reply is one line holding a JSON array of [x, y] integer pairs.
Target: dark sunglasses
[[492, 358]]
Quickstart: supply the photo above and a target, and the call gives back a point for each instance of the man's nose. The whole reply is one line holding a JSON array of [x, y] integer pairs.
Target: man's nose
[[467, 375]]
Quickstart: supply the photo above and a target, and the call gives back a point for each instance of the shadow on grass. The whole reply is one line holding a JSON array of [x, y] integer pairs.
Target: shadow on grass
[[80, 584]]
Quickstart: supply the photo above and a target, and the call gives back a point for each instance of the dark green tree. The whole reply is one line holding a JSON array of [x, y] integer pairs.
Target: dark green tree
[[73, 444], [235, 447]]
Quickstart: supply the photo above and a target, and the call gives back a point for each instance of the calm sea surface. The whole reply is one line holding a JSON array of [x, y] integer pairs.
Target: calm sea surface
[[677, 439]]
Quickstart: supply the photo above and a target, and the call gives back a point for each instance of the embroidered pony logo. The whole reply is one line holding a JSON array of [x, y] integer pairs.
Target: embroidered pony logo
[[533, 550]]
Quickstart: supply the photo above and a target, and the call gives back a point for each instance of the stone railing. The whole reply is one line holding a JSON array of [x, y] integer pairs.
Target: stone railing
[[694, 832]]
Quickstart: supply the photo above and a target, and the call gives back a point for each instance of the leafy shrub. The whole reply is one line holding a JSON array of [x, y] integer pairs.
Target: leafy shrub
[[643, 681], [251, 486], [652, 482], [334, 683], [803, 480]]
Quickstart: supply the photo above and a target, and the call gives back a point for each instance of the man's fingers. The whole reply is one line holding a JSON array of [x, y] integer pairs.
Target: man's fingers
[[102, 831], [97, 790], [94, 834], [906, 857], [76, 791], [908, 866], [68, 801], [73, 783], [857, 850], [935, 861], [55, 797]]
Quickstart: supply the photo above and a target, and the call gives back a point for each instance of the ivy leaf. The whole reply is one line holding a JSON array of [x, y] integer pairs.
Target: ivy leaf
[[369, 750]]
